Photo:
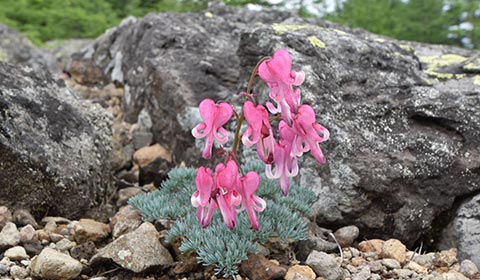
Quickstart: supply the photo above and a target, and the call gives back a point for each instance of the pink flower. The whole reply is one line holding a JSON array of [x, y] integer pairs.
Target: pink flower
[[277, 73], [202, 197], [227, 195], [248, 186], [307, 131], [286, 164], [259, 131], [214, 117]]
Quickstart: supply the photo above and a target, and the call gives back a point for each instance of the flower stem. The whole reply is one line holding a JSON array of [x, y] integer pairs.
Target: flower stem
[[236, 139]]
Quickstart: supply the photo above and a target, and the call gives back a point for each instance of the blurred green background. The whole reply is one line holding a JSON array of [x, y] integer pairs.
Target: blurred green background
[[452, 22]]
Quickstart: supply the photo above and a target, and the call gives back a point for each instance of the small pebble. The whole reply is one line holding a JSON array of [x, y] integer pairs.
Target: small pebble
[[468, 268], [18, 272], [27, 233], [391, 263], [16, 253]]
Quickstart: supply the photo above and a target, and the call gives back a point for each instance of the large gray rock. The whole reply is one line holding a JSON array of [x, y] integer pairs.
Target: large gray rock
[[169, 62], [18, 49], [55, 148], [403, 143], [404, 117], [463, 232]]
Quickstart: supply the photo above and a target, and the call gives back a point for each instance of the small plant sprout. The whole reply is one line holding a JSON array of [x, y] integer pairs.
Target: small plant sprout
[[298, 132]]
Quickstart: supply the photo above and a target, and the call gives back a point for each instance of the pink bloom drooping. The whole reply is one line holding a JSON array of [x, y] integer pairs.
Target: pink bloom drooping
[[286, 164], [202, 197], [307, 130], [277, 73], [227, 195], [248, 186], [214, 117], [259, 131]]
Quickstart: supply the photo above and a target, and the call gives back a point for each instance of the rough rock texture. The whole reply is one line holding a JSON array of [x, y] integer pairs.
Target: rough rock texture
[[55, 148], [169, 63], [51, 264], [464, 231], [136, 251], [404, 118], [17, 49]]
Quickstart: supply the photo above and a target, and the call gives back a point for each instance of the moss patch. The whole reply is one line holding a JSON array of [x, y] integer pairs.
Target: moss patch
[[316, 42]]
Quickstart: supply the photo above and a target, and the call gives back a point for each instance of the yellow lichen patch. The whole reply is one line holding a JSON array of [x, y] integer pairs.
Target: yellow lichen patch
[[476, 80], [436, 61], [3, 56], [408, 48], [208, 15], [282, 28], [473, 66], [340, 31], [439, 75], [428, 81], [316, 42]]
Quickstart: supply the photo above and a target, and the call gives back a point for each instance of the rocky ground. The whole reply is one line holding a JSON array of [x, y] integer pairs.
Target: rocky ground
[[402, 156], [125, 247]]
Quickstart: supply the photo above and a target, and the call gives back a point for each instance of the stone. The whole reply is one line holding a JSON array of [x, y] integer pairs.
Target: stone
[[324, 265], [302, 270], [445, 258], [19, 272], [16, 253], [32, 247], [5, 216], [358, 261], [18, 49], [399, 127], [425, 260], [463, 232], [126, 193], [9, 236], [63, 49], [316, 240], [147, 155], [90, 230], [468, 268], [125, 220], [84, 251], [416, 267], [258, 267], [187, 264], [23, 217], [375, 266], [346, 235], [55, 147], [451, 275], [372, 245], [52, 264], [403, 273], [391, 263], [136, 251], [3, 269], [27, 233], [394, 249], [56, 220], [42, 234], [64, 245]]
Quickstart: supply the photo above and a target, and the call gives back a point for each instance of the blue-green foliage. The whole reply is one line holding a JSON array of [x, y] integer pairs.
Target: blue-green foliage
[[217, 245]]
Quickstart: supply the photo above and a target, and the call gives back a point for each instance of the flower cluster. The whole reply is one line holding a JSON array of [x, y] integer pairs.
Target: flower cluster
[[298, 132]]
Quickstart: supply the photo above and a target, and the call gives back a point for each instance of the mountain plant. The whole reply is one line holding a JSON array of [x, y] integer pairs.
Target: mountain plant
[[231, 188]]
